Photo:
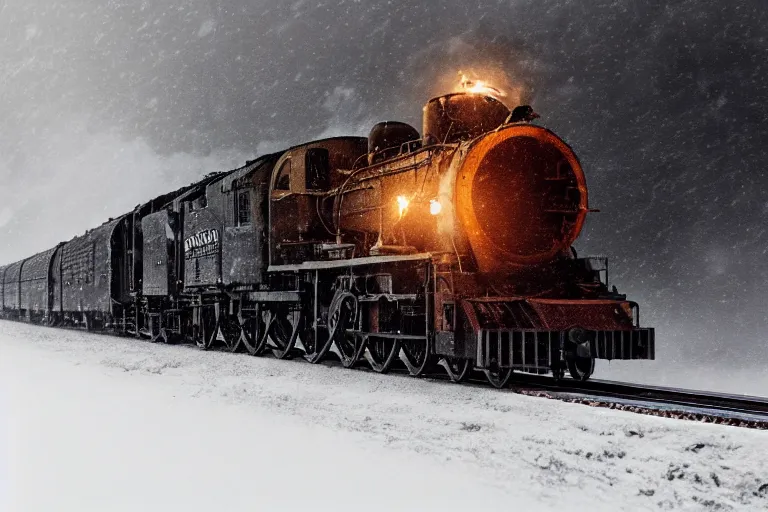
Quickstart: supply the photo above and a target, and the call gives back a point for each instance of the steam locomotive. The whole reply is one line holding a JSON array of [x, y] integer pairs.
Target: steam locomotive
[[452, 247]]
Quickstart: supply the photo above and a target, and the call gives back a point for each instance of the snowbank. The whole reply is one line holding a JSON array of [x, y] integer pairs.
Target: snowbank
[[103, 423]]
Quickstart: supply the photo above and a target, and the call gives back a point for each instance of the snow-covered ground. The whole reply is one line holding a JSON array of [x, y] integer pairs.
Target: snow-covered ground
[[102, 423]]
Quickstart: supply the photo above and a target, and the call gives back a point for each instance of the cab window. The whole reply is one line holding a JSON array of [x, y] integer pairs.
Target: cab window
[[316, 164], [283, 181], [243, 207]]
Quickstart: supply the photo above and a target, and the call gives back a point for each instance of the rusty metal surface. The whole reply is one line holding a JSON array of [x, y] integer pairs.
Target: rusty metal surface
[[298, 209], [521, 197], [546, 314], [518, 331], [368, 204], [386, 139], [595, 315], [461, 117], [516, 197]]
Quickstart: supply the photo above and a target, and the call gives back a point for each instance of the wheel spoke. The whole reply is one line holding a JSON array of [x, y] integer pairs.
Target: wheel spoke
[[342, 317], [351, 350], [230, 330], [381, 353], [208, 328], [498, 378], [416, 356], [457, 369], [253, 332], [315, 349], [283, 331]]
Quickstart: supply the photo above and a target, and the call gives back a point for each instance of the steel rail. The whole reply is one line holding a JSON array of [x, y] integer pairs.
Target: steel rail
[[712, 401]]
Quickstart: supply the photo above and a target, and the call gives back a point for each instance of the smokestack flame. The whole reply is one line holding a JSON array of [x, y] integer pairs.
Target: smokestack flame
[[479, 87]]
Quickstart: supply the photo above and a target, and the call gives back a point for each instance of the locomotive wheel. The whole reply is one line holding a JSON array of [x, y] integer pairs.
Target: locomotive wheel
[[205, 333], [316, 343], [581, 368], [155, 331], [167, 336], [253, 332], [87, 322], [283, 331], [498, 378], [230, 330], [342, 317], [315, 350], [351, 349], [382, 353], [456, 368], [416, 356], [54, 320]]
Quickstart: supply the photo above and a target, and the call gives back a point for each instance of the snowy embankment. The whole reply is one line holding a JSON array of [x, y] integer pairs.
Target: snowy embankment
[[104, 423]]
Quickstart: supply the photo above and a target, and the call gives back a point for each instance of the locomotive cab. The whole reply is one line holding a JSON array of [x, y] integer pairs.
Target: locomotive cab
[[300, 217]]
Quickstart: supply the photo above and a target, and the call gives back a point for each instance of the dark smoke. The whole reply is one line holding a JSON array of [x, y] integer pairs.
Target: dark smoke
[[665, 102]]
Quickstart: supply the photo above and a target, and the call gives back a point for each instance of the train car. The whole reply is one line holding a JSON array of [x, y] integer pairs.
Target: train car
[[224, 252], [96, 280], [91, 280], [164, 309], [462, 246], [2, 288], [449, 247], [11, 290], [221, 255], [36, 292]]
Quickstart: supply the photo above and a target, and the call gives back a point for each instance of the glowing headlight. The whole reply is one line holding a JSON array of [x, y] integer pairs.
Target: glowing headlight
[[435, 207]]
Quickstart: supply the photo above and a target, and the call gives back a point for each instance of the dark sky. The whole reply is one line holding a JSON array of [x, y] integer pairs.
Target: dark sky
[[104, 102]]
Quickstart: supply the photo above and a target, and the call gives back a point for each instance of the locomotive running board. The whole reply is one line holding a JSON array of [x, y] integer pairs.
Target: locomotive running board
[[354, 262]]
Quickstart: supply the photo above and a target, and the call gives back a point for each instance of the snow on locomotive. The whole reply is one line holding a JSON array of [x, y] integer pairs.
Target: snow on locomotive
[[453, 247]]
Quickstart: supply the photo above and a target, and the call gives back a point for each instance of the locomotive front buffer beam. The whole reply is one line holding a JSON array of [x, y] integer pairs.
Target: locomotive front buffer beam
[[537, 351], [547, 335]]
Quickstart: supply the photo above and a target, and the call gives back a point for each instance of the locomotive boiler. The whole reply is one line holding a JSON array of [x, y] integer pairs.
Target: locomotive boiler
[[451, 247]]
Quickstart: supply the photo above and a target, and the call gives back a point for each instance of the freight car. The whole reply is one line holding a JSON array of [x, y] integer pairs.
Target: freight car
[[449, 247]]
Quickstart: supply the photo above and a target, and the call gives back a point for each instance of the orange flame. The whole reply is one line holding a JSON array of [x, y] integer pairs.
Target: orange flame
[[479, 87]]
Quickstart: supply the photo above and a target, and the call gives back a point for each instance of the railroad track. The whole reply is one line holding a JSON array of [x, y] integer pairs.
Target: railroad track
[[709, 407], [701, 406]]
